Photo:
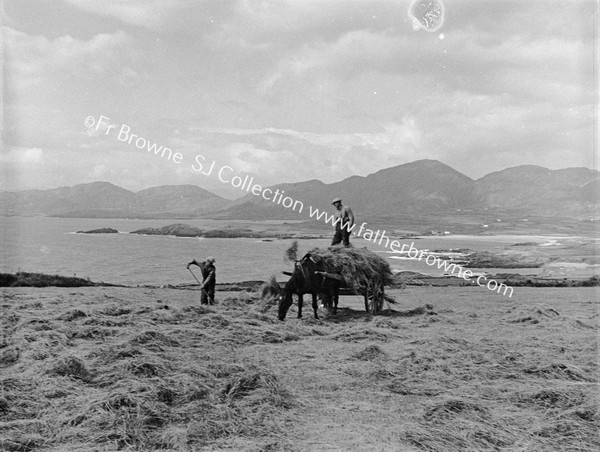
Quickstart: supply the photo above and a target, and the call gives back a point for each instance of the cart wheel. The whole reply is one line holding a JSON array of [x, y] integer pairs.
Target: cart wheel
[[295, 302], [375, 298], [325, 302], [371, 300]]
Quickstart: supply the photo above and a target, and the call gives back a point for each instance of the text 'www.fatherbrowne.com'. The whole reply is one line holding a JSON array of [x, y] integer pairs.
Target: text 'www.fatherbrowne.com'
[[411, 251]]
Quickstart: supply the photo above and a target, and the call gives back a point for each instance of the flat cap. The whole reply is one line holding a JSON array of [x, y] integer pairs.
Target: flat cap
[[336, 200]]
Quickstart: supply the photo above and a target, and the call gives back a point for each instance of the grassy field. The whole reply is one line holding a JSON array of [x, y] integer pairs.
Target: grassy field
[[448, 369]]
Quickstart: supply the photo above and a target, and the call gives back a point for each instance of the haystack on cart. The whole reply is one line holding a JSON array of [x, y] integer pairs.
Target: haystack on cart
[[373, 293], [357, 271]]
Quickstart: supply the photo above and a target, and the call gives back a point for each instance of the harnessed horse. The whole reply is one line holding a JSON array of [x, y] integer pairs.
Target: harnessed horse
[[308, 278]]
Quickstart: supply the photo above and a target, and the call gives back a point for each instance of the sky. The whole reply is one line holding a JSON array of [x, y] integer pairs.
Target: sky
[[290, 90]]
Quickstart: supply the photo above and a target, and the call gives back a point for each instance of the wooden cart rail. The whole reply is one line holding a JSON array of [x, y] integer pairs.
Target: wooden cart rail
[[373, 298]]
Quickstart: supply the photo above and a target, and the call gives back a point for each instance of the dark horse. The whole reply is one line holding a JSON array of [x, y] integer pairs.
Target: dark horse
[[307, 278]]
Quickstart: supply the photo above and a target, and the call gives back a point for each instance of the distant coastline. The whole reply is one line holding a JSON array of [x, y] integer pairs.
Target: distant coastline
[[39, 280], [425, 197], [468, 258], [185, 230]]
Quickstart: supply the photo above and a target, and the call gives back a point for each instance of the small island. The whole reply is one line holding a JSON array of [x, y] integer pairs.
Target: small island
[[99, 231], [178, 230], [184, 230]]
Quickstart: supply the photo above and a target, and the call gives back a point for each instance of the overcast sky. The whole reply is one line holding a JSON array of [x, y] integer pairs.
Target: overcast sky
[[291, 90]]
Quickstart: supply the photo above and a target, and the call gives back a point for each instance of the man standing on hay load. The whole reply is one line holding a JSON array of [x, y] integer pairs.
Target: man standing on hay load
[[343, 225], [209, 279]]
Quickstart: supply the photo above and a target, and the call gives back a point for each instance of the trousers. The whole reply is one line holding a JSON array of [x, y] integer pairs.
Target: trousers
[[207, 295], [342, 235]]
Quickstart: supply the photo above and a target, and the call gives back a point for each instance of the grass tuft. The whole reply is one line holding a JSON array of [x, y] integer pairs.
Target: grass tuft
[[72, 366], [370, 353], [561, 371], [455, 407]]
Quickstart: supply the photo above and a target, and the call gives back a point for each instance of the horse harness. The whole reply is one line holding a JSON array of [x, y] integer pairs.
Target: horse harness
[[304, 274]]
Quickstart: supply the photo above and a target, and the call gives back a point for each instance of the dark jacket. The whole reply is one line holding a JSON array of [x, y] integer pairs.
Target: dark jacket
[[209, 275]]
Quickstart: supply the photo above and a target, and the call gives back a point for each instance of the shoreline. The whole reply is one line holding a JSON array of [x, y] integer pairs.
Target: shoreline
[[40, 280]]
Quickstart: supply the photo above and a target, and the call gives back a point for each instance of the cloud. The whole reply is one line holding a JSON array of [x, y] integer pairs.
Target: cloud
[[271, 153], [23, 156], [17, 165], [462, 61], [477, 134], [250, 22], [123, 165], [295, 90], [144, 13], [31, 60], [48, 82]]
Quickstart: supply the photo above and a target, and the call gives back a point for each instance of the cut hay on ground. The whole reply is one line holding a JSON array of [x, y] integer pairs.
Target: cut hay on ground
[[449, 373], [361, 269]]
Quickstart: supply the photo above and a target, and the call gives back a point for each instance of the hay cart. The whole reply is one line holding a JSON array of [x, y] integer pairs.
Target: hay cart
[[373, 293]]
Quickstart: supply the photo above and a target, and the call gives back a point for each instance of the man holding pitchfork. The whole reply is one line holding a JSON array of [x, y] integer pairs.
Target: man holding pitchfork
[[209, 279]]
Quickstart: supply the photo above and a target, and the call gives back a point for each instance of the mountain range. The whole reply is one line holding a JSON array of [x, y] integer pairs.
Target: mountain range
[[105, 200], [420, 188]]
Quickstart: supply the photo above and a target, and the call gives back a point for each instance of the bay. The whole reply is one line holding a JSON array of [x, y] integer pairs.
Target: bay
[[50, 245]]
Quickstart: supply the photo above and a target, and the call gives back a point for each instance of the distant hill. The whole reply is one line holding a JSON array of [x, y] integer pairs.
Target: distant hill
[[85, 198], [105, 200], [536, 190], [429, 187], [421, 190], [426, 185], [413, 188], [173, 200]]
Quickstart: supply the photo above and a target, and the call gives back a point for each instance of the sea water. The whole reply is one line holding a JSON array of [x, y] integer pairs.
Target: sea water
[[51, 245]]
